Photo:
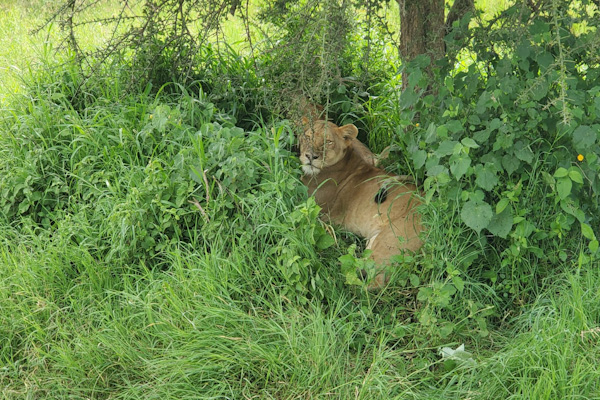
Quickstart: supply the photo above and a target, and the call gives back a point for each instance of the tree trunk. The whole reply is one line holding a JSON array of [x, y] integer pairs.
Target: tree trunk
[[422, 30]]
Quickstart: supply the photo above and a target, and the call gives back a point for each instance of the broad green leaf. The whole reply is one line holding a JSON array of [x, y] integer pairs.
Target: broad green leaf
[[476, 215], [352, 278], [470, 143], [545, 60], [445, 330], [446, 148], [458, 283], [495, 124], [460, 166], [436, 170], [561, 173], [431, 134], [414, 280], [348, 265], [523, 49], [583, 138], [563, 187], [455, 126], [424, 294], [484, 102], [408, 98], [523, 152], [587, 231], [482, 136], [510, 163], [540, 89], [442, 132], [324, 241], [459, 355], [503, 141], [575, 176], [501, 223], [539, 27], [419, 158], [24, 206], [486, 177], [474, 120], [571, 208], [548, 179], [501, 205]]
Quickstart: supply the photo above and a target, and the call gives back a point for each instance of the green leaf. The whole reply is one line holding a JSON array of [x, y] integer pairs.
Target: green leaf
[[523, 152], [501, 205], [561, 173], [424, 294], [445, 331], [324, 241], [563, 187], [538, 27], [446, 148], [523, 49], [470, 143], [510, 163], [545, 60], [587, 231], [482, 136], [484, 102], [460, 166], [408, 98], [458, 283], [419, 158], [24, 206], [486, 177], [575, 176], [414, 280], [431, 134], [474, 120], [349, 264], [476, 215], [540, 89], [454, 126], [501, 223], [436, 170], [584, 137]]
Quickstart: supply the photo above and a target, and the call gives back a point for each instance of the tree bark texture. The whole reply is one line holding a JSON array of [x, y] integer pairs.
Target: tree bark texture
[[422, 28]]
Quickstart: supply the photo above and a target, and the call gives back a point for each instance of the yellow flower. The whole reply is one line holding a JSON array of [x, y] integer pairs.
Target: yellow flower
[[151, 116], [417, 124], [580, 157]]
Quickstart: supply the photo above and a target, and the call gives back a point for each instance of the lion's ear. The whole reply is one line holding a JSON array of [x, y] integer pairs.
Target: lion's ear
[[348, 131], [305, 122]]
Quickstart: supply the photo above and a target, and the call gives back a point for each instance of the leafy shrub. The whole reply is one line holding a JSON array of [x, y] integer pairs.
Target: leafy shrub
[[507, 150], [145, 175]]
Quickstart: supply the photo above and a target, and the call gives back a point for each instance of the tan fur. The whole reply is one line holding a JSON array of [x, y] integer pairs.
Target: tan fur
[[345, 186]]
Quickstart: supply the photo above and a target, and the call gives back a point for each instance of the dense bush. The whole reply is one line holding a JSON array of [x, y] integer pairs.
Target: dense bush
[[133, 179], [507, 150]]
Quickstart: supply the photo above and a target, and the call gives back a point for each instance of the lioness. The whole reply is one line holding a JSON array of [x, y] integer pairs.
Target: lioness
[[355, 194]]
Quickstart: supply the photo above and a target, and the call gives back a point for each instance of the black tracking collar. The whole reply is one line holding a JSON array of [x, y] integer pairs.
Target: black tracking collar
[[381, 195]]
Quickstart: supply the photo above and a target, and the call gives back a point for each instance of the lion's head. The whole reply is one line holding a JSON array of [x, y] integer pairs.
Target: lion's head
[[324, 144]]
